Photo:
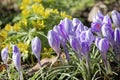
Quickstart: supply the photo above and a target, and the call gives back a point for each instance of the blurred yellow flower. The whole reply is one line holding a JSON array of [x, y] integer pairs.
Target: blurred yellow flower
[[23, 47], [55, 11], [37, 1], [16, 26], [38, 9], [24, 4], [25, 12], [24, 22], [8, 27], [3, 34], [64, 15], [39, 24]]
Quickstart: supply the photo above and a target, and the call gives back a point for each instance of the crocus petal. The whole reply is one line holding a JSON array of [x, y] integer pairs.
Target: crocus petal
[[99, 17], [85, 48], [36, 47], [16, 57], [107, 32], [4, 55], [75, 44], [97, 39], [103, 45], [117, 35], [107, 20], [76, 21], [116, 18], [54, 41]]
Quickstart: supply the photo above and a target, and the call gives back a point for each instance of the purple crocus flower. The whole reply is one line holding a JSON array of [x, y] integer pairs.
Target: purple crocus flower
[[97, 22], [63, 41], [36, 48], [66, 27], [76, 21], [17, 60], [75, 44], [108, 33], [4, 55], [116, 18], [85, 48], [117, 43], [16, 57], [107, 20], [103, 46], [54, 41], [87, 36]]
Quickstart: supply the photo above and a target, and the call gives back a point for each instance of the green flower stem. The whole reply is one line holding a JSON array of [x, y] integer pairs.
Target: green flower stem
[[20, 75], [106, 63]]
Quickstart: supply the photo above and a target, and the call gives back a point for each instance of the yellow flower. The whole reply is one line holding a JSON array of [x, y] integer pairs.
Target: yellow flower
[[23, 47], [25, 12], [24, 22], [16, 26], [47, 13], [38, 9], [24, 4], [37, 1], [39, 24], [64, 15], [8, 27], [3, 34], [55, 11]]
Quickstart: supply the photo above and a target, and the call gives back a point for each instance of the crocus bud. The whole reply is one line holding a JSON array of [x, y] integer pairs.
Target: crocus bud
[[4, 55], [85, 48], [98, 17], [117, 35], [75, 44], [36, 47], [117, 43], [54, 41], [103, 45], [76, 21], [16, 57], [87, 36], [107, 20], [116, 18], [108, 32], [17, 60]]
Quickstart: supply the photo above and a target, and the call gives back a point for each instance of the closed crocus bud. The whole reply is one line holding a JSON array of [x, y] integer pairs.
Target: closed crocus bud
[[54, 41], [108, 32], [117, 35], [17, 60], [117, 43], [87, 36], [75, 44], [116, 18], [36, 47], [98, 17], [85, 48], [16, 57], [4, 55], [67, 27], [103, 45], [107, 20], [97, 39]]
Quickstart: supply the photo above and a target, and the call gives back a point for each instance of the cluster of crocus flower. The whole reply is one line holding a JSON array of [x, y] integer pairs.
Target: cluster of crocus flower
[[81, 37], [73, 32]]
